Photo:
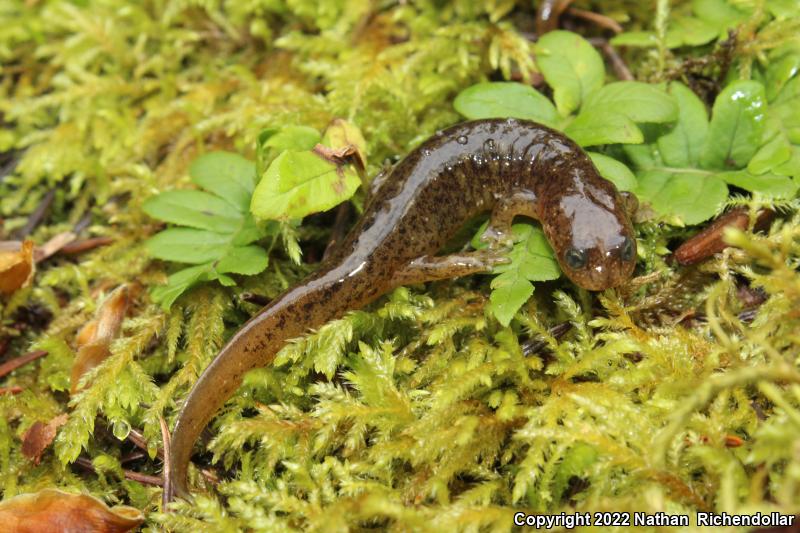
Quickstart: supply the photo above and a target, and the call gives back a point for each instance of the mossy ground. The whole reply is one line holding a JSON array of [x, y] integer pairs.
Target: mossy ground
[[421, 412]]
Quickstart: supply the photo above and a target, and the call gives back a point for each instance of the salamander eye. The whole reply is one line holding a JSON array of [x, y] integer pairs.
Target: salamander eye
[[575, 259], [627, 251]]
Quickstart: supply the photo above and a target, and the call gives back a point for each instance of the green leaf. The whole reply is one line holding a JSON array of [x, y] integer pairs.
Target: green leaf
[[228, 175], [510, 291], [614, 171], [247, 260], [595, 127], [571, 66], [179, 282], [783, 9], [682, 145], [690, 31], [770, 185], [778, 150], [779, 72], [682, 197], [792, 166], [737, 124], [195, 209], [289, 138], [187, 245], [719, 13], [505, 99], [640, 102], [300, 183], [532, 255]]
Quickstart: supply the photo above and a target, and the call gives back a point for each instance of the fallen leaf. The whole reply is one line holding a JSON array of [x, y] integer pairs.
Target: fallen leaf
[[16, 267], [56, 510], [94, 340], [39, 436]]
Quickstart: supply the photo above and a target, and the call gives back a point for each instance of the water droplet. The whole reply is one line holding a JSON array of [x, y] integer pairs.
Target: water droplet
[[426, 152], [462, 139]]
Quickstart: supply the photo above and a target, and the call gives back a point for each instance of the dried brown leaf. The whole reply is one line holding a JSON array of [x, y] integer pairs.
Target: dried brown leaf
[[16, 267], [39, 436], [56, 510], [94, 340]]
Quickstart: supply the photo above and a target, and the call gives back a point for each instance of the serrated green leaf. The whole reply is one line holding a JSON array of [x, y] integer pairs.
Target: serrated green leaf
[[195, 209], [681, 147], [683, 198], [640, 102], [737, 125], [179, 282], [778, 150], [571, 66], [531, 255], [770, 185], [248, 260], [187, 245], [510, 291], [289, 138], [595, 127], [505, 99], [614, 171], [297, 184], [228, 175]]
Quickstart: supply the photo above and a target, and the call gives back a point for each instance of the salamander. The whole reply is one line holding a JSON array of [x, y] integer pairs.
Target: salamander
[[507, 167]]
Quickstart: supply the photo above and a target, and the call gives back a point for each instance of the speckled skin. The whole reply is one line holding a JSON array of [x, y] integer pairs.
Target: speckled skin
[[509, 167]]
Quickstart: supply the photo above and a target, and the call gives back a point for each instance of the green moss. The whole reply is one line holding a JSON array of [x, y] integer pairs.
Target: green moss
[[420, 411]]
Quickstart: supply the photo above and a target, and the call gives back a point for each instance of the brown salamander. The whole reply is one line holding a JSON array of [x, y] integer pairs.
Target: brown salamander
[[506, 166]]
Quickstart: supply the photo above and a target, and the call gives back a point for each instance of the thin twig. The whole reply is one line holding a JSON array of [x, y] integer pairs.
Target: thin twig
[[9, 366], [537, 344], [137, 438], [619, 66], [78, 247], [145, 479], [37, 216], [166, 473], [601, 20]]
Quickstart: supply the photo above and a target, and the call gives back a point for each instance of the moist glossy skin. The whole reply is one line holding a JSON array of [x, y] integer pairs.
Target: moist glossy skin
[[506, 166]]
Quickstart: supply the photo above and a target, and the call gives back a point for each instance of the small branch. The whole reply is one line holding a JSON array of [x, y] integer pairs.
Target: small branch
[[37, 216], [619, 66], [78, 247], [537, 344], [137, 438], [144, 479], [9, 366], [166, 472], [601, 20]]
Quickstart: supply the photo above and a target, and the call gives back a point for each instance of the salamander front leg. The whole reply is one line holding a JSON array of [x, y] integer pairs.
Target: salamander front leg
[[498, 234], [433, 268]]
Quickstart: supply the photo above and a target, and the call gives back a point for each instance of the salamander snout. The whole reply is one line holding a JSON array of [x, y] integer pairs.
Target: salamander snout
[[601, 266]]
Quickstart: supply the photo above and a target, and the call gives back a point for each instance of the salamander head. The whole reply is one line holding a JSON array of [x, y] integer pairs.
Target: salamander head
[[593, 236]]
